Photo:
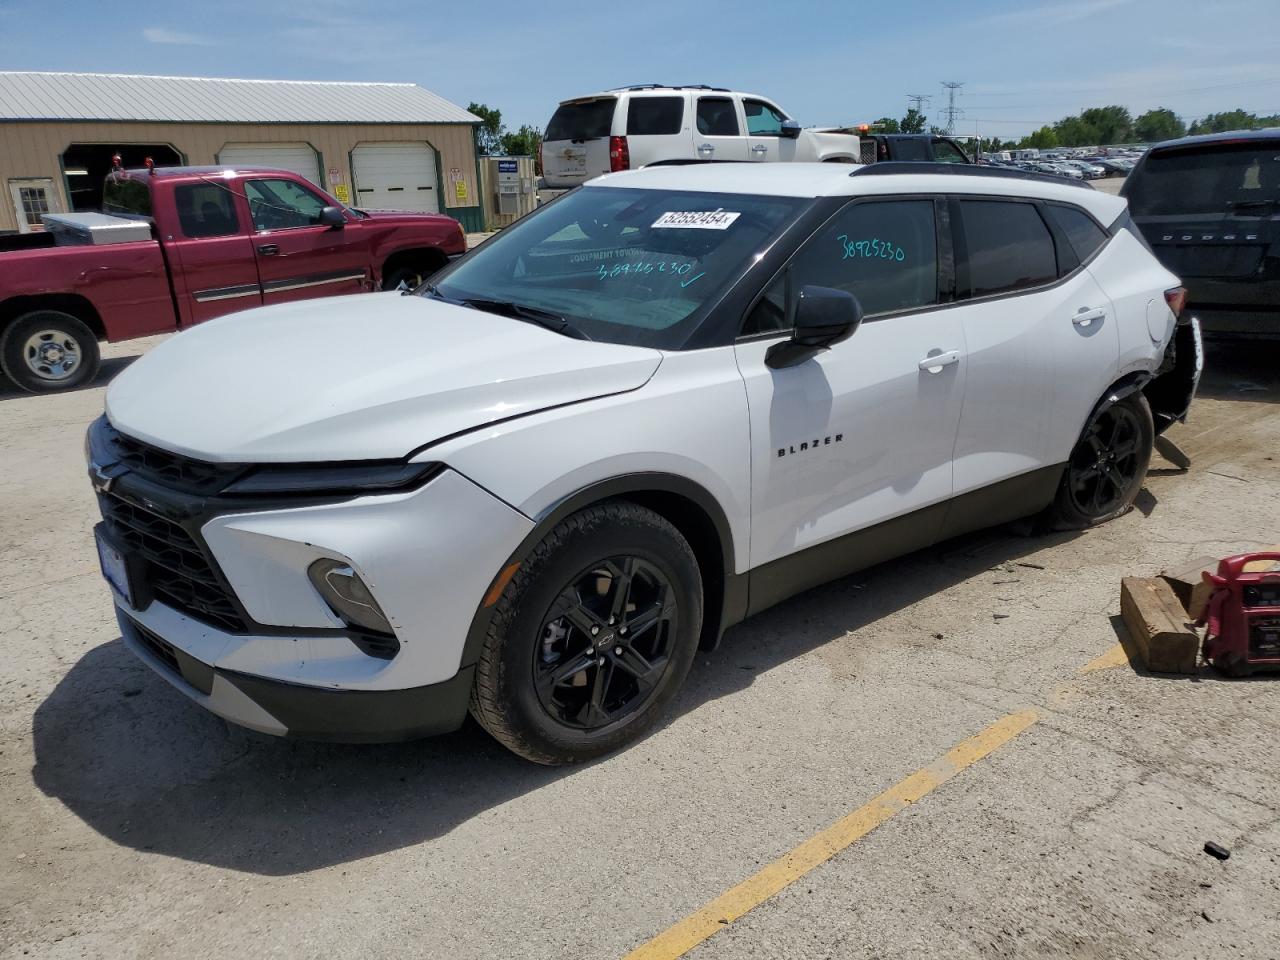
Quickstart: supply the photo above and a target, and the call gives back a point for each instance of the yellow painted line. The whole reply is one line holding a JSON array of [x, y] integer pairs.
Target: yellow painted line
[[1115, 657], [678, 940]]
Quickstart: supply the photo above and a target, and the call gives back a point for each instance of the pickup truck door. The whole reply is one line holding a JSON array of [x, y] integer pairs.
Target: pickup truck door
[[764, 131], [210, 252], [298, 257]]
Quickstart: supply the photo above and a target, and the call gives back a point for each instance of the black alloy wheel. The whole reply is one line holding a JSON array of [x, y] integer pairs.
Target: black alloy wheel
[[1108, 465], [606, 643]]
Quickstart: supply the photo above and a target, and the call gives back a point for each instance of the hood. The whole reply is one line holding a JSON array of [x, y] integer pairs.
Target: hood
[[365, 377], [404, 216]]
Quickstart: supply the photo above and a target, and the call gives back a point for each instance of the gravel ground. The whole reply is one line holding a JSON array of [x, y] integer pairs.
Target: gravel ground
[[136, 825]]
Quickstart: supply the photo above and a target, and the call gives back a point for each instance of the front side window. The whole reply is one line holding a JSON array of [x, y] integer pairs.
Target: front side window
[[623, 265], [655, 116], [946, 152], [282, 204], [884, 252], [717, 117], [1084, 235], [206, 210], [1009, 246], [762, 119]]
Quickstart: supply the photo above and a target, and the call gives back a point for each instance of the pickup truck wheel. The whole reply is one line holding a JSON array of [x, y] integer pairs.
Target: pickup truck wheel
[[413, 277], [47, 350], [592, 637], [1107, 466]]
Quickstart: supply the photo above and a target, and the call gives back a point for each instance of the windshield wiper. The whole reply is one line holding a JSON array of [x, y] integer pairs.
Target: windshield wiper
[[543, 318]]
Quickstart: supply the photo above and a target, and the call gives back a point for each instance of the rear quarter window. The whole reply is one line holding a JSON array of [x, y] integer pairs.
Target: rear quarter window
[[1085, 236], [655, 116], [582, 120]]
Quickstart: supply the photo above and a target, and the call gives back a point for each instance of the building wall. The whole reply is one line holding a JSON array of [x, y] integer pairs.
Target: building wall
[[32, 149]]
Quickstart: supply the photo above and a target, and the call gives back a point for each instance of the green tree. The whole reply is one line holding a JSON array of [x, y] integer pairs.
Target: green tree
[[489, 133], [885, 125], [1075, 132], [1112, 124], [1229, 120], [1042, 139], [1159, 124], [523, 143], [913, 122]]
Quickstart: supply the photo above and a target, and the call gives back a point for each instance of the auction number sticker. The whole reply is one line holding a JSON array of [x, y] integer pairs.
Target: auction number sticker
[[718, 219]]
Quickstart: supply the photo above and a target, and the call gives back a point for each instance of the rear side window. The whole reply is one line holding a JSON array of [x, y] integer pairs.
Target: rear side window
[[1085, 235], [1009, 246], [582, 120], [884, 252], [717, 117], [1222, 179], [655, 116], [126, 195], [206, 210]]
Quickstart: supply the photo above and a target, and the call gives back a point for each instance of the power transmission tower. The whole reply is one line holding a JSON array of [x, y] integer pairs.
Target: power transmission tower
[[918, 101], [952, 112]]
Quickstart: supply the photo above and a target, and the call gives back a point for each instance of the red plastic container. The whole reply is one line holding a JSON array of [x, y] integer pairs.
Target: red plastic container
[[1243, 617]]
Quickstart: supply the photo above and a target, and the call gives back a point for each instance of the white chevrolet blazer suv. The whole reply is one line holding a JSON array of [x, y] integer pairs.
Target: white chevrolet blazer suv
[[535, 486]]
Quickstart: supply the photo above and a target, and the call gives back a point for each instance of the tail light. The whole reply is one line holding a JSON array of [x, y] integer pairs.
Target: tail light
[[619, 155], [1176, 299]]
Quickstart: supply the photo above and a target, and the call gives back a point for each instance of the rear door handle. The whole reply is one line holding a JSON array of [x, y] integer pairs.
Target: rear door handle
[[1086, 316], [935, 362], [269, 249], [759, 148]]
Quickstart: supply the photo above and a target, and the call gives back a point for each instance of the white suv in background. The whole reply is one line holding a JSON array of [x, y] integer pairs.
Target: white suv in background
[[634, 127]]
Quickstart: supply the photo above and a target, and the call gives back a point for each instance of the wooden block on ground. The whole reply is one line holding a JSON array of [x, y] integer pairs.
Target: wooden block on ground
[[1158, 625], [1188, 584]]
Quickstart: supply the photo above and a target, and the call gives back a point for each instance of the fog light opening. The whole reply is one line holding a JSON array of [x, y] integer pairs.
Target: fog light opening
[[348, 596]]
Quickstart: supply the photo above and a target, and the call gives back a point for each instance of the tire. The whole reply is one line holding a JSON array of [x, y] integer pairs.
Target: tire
[[1107, 465], [528, 694], [413, 276], [48, 350]]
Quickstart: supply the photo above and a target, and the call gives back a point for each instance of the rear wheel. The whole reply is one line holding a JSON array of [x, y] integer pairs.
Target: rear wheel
[[592, 637], [47, 350], [1107, 466]]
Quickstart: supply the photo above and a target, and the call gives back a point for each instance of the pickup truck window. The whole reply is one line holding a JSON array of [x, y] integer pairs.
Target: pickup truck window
[[762, 119], [717, 118], [125, 195], [947, 152], [282, 204], [206, 210]]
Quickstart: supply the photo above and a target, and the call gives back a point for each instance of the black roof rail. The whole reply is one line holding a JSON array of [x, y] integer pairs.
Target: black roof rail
[[890, 167], [670, 86]]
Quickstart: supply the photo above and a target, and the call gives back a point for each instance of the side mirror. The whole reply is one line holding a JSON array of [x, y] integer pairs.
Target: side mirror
[[332, 217], [824, 317], [790, 129]]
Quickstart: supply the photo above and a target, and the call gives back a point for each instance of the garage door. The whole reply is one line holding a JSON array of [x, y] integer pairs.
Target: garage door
[[297, 157], [395, 176]]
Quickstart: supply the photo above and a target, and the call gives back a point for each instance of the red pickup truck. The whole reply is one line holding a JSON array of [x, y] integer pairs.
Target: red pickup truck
[[178, 245]]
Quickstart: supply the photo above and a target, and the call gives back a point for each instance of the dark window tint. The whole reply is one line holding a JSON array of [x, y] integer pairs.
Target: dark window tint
[[583, 120], [1241, 179], [1009, 246], [762, 119], [1085, 235], [282, 204], [717, 117], [910, 148], [126, 195], [655, 116], [883, 252], [206, 210]]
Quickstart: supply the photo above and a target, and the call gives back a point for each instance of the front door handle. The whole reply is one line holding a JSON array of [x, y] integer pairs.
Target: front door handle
[[936, 361], [706, 148], [1085, 316], [269, 249]]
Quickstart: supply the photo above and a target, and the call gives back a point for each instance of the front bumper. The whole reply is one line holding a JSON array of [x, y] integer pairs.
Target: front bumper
[[296, 710]]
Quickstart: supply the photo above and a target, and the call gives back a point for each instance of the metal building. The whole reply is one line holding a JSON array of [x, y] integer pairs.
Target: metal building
[[372, 145]]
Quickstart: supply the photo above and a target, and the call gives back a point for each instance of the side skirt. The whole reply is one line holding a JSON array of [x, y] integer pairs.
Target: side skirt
[[1011, 499]]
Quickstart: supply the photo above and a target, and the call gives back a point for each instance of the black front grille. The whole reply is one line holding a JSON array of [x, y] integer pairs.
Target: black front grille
[[178, 573], [164, 467]]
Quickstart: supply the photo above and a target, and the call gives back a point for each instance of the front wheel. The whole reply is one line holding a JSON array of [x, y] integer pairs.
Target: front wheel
[[592, 637], [47, 350], [1107, 466]]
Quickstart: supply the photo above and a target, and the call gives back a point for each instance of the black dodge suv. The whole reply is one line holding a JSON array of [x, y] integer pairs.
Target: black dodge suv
[[1210, 208]]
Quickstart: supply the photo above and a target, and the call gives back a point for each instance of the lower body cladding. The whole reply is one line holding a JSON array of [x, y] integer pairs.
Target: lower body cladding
[[426, 556]]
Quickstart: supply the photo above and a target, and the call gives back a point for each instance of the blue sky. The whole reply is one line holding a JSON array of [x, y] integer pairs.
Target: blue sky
[[1023, 64]]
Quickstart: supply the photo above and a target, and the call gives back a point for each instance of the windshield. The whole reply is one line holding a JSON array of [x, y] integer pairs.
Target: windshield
[[582, 120], [1219, 179], [623, 266]]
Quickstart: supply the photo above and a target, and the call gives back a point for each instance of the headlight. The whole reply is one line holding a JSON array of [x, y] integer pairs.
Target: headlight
[[347, 595], [334, 478]]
